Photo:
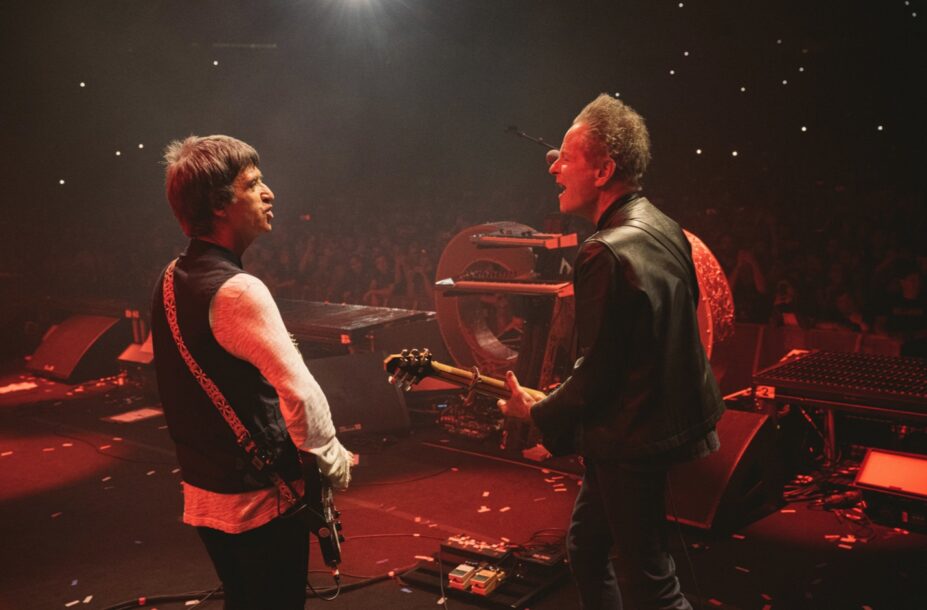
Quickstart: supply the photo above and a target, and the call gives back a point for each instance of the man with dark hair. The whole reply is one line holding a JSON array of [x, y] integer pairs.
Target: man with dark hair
[[219, 339], [641, 395]]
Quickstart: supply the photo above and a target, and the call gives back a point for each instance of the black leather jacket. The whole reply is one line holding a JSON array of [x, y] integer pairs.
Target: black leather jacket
[[642, 388]]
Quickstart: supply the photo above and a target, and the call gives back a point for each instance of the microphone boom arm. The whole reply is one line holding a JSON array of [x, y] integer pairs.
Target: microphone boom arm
[[512, 129]]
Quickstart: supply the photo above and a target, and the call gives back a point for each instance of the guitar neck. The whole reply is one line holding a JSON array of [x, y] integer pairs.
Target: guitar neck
[[488, 386]]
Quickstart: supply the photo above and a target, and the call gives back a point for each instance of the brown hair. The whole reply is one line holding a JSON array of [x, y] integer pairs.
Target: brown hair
[[200, 178], [616, 130]]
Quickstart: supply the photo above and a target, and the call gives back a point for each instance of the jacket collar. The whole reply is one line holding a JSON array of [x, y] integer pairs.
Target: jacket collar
[[615, 206]]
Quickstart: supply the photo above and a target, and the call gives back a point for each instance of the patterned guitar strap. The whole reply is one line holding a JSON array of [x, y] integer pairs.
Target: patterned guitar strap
[[260, 459]]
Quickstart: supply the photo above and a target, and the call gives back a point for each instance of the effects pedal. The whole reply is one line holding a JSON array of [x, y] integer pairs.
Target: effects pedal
[[459, 578], [486, 580]]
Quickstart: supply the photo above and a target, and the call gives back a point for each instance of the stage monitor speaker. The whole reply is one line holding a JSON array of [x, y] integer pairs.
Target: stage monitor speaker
[[739, 482], [81, 348], [359, 393], [138, 353]]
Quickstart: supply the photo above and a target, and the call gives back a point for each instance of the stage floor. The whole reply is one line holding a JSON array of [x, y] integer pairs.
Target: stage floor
[[90, 507]]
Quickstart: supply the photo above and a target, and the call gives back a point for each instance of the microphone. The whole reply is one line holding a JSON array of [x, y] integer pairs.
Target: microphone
[[552, 156]]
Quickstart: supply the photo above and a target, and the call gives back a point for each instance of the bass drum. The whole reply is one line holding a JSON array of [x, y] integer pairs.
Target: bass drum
[[716, 302], [467, 322]]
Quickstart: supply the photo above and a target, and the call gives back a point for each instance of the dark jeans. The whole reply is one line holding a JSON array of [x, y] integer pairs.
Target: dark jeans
[[623, 508], [264, 568]]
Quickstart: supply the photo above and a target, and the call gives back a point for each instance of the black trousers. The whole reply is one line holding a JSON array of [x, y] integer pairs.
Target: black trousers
[[264, 568], [622, 508]]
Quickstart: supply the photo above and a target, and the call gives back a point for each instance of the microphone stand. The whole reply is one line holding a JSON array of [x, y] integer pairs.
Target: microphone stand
[[539, 141]]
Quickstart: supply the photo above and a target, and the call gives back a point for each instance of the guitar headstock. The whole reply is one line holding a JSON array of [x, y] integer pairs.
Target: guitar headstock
[[408, 367]]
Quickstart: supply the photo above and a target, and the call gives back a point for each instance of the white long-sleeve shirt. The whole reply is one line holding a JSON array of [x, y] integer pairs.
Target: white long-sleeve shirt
[[246, 322]]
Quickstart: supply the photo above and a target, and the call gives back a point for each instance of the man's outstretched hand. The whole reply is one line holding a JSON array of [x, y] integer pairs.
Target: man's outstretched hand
[[519, 403]]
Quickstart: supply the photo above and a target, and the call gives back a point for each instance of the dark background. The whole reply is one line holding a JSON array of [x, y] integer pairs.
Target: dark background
[[374, 109]]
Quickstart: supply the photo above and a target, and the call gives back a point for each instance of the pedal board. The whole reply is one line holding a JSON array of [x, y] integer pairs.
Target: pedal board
[[494, 575]]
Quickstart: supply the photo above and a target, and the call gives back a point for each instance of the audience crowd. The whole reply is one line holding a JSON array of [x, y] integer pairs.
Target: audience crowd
[[846, 262]]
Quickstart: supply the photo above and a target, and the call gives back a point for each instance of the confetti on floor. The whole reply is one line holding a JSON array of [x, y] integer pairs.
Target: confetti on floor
[[505, 509], [6, 454], [484, 509], [738, 536], [18, 387], [56, 515]]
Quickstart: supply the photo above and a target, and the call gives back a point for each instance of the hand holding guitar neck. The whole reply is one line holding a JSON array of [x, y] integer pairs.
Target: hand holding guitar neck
[[411, 366], [519, 404]]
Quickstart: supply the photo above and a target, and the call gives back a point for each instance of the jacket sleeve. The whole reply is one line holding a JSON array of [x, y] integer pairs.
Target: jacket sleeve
[[597, 274], [246, 322]]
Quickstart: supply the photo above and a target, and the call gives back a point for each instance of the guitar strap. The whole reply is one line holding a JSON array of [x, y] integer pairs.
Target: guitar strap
[[260, 457]]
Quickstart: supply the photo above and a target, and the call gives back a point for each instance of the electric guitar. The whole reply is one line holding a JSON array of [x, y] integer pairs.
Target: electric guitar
[[318, 508], [411, 366]]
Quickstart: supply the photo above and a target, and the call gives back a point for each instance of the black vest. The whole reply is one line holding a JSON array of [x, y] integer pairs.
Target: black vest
[[206, 449], [669, 395]]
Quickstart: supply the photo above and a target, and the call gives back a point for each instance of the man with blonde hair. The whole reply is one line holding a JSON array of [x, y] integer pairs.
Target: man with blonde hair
[[641, 395]]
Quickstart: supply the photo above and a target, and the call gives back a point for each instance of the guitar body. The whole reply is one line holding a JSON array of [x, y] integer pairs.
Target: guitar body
[[318, 508]]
